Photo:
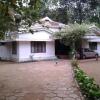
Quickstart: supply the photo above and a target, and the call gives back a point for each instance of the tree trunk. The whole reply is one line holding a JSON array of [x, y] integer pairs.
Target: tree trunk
[[73, 50]]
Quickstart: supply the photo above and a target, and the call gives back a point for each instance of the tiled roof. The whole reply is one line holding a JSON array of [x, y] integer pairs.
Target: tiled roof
[[95, 30], [47, 22]]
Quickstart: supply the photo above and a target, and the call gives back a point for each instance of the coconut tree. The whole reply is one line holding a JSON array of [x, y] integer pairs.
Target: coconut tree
[[72, 34]]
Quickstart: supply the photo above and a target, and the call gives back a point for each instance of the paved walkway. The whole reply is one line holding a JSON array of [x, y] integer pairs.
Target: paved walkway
[[44, 80]]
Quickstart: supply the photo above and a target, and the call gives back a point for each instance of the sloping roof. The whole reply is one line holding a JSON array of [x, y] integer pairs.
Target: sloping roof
[[95, 30], [42, 24], [47, 22], [45, 19], [39, 27], [48, 25], [93, 35]]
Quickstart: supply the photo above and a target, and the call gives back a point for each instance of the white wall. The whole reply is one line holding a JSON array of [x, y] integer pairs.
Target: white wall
[[24, 50], [50, 52], [37, 36], [6, 52], [25, 46], [26, 55], [86, 45], [98, 48]]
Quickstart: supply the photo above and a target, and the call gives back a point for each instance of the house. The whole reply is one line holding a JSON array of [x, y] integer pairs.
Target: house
[[33, 43], [92, 40], [38, 43]]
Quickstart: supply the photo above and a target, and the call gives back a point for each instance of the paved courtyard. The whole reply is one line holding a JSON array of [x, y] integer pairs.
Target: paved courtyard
[[44, 80], [92, 68]]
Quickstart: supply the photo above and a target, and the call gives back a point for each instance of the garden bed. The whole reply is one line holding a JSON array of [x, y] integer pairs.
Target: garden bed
[[89, 89]]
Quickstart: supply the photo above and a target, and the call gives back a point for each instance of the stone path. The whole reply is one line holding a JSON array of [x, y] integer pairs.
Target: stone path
[[44, 80]]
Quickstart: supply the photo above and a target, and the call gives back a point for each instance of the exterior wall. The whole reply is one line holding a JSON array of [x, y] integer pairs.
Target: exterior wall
[[26, 55], [98, 48], [92, 38], [24, 47], [50, 52], [37, 36], [85, 44], [24, 51], [6, 52]]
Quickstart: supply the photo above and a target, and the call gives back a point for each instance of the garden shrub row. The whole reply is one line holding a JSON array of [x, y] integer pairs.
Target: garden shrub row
[[89, 89]]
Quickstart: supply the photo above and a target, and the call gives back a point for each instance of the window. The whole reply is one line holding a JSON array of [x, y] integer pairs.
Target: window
[[2, 44], [14, 47], [86, 50], [38, 47], [93, 45]]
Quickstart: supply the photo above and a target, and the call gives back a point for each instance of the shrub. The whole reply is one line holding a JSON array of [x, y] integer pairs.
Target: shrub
[[74, 63], [87, 85]]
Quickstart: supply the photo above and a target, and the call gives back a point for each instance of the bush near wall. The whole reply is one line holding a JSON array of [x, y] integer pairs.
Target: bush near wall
[[90, 90]]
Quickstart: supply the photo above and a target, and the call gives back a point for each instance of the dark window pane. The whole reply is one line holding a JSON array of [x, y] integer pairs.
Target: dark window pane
[[38, 47], [93, 45], [14, 47], [2, 44]]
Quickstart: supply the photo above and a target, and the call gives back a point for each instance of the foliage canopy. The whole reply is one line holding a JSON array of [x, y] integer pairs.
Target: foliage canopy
[[13, 11], [72, 33]]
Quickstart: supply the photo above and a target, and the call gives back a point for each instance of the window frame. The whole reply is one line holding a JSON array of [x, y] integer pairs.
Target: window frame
[[38, 47]]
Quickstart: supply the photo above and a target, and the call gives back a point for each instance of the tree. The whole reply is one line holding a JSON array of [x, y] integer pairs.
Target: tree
[[72, 34], [70, 11], [5, 17], [13, 11]]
